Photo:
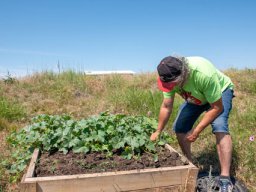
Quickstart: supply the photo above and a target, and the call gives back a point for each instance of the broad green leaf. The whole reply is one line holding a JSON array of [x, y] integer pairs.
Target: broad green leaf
[[64, 150], [150, 146], [119, 145], [137, 128], [74, 142], [134, 143], [161, 142], [127, 154], [83, 149]]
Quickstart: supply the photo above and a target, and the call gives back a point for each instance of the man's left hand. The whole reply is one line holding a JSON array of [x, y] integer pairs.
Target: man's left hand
[[192, 136]]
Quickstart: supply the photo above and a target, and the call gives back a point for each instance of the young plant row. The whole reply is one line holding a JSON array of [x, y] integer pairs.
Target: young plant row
[[103, 133]]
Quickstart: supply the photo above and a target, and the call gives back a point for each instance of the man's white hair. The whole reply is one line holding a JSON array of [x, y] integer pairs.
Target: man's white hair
[[182, 78]]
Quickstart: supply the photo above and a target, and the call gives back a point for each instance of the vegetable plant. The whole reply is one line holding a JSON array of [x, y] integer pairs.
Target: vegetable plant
[[104, 133]]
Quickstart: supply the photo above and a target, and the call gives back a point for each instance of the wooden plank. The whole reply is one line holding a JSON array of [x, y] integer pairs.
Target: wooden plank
[[92, 175], [32, 165], [116, 183], [176, 188], [28, 187], [171, 148], [190, 185]]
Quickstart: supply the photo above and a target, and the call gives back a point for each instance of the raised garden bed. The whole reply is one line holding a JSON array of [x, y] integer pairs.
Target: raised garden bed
[[141, 175]]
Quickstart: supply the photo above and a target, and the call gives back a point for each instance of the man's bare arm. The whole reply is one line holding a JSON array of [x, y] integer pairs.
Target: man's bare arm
[[210, 115], [164, 115]]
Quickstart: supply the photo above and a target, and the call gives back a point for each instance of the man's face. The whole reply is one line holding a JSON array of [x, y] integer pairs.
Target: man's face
[[166, 85]]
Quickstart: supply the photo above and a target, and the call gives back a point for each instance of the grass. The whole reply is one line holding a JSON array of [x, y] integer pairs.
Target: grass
[[82, 96], [10, 110]]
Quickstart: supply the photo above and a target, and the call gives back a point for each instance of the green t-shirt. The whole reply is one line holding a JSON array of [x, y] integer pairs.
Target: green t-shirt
[[205, 83]]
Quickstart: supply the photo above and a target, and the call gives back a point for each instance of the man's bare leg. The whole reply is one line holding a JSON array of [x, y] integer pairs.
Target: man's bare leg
[[185, 145], [224, 149]]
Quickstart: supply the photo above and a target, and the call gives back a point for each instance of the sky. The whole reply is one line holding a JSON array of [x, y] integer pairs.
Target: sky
[[89, 35]]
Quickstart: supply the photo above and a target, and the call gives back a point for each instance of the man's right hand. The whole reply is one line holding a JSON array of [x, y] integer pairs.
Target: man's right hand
[[155, 135]]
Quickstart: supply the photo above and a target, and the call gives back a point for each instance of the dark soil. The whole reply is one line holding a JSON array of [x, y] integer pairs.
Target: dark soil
[[73, 163]]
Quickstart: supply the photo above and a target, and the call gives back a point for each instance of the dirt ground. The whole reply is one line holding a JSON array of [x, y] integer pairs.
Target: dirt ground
[[72, 163]]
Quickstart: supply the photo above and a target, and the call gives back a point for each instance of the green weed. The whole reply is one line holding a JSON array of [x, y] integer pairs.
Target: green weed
[[9, 79], [11, 110]]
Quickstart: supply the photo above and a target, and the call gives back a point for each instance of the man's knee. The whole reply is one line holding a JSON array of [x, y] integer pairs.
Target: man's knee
[[181, 138], [223, 138], [220, 125]]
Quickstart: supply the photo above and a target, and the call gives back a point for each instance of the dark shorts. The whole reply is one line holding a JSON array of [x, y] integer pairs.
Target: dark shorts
[[189, 113]]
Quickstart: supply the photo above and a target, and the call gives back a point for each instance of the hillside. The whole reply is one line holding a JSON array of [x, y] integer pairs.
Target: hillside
[[81, 96]]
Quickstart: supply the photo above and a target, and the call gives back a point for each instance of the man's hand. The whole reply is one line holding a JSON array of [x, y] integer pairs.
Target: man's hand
[[210, 115], [155, 135], [192, 136]]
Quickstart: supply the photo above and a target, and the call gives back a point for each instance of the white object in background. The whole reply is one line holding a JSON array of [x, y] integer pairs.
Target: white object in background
[[109, 72]]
